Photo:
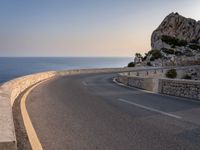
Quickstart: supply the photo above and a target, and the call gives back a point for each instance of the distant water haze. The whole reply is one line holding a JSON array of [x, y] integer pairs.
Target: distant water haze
[[18, 66]]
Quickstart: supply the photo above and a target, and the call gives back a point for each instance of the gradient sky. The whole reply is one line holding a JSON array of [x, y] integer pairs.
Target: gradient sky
[[84, 27]]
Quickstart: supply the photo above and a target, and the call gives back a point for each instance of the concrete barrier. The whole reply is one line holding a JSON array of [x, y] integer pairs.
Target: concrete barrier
[[9, 91]]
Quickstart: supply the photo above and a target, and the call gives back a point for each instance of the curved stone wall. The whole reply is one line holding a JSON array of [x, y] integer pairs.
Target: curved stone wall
[[9, 91]]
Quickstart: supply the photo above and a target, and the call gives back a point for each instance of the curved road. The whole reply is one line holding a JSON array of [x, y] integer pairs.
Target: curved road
[[88, 112]]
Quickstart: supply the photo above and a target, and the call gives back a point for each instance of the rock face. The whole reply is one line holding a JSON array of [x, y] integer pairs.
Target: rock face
[[175, 42], [178, 28]]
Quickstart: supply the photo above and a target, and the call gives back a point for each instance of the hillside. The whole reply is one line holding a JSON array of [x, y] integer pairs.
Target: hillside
[[176, 41]]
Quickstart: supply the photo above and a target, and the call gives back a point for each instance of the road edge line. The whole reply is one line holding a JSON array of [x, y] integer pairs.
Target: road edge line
[[32, 136]]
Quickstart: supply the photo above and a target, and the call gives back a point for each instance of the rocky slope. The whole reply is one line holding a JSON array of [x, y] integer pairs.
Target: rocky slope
[[184, 30], [176, 40]]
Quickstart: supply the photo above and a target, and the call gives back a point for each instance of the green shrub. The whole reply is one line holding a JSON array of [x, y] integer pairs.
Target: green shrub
[[138, 55], [178, 53], [194, 47], [171, 73], [194, 41], [149, 64], [155, 54], [131, 64], [188, 53], [168, 51], [188, 77], [145, 56], [173, 41]]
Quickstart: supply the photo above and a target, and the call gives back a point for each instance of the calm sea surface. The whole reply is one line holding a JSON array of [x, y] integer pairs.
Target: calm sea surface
[[14, 67]]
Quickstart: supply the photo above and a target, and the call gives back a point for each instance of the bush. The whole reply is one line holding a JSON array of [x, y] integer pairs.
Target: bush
[[173, 41], [188, 77], [138, 55], [145, 57], [149, 64], [178, 53], [194, 41], [171, 73], [188, 53], [194, 47], [155, 54], [131, 64], [168, 51]]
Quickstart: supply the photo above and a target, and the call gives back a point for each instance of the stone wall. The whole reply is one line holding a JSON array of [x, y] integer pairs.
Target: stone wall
[[153, 72], [150, 84], [9, 91], [154, 80], [180, 88]]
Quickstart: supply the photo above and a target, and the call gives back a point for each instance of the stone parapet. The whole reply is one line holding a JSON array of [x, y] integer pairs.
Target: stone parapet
[[9, 91]]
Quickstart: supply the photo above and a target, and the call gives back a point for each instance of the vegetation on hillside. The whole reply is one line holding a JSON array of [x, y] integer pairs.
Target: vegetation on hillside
[[194, 47], [168, 51], [173, 41], [149, 64], [131, 64], [155, 54], [178, 53], [171, 73], [138, 55]]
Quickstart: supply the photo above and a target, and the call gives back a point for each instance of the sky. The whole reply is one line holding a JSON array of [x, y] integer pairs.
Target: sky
[[83, 28]]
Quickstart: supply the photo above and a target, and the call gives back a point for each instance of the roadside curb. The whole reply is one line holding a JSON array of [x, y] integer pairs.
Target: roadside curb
[[32, 135]]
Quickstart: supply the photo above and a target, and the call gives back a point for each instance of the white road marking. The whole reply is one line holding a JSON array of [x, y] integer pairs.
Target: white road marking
[[150, 109]]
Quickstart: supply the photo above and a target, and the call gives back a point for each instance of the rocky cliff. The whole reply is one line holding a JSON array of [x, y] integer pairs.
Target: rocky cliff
[[176, 31], [176, 41]]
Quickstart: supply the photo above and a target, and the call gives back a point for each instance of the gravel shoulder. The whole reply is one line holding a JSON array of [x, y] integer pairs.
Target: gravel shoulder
[[21, 135]]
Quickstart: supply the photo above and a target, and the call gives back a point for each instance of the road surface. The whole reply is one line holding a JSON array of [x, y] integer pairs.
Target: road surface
[[89, 112]]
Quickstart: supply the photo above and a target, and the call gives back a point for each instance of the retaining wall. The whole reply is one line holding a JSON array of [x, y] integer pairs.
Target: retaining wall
[[150, 84], [180, 88], [174, 87], [160, 72]]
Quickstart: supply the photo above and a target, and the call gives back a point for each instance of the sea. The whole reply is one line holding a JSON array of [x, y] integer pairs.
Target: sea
[[13, 67]]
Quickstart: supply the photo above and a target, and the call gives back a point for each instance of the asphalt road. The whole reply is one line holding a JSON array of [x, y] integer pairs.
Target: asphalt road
[[88, 112]]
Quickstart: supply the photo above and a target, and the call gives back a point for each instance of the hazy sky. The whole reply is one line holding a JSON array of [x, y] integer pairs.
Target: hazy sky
[[84, 27]]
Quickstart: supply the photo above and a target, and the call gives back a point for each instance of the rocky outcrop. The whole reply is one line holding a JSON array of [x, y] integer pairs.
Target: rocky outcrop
[[182, 31], [175, 42]]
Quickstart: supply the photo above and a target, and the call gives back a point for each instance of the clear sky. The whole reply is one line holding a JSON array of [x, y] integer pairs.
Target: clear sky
[[84, 27]]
